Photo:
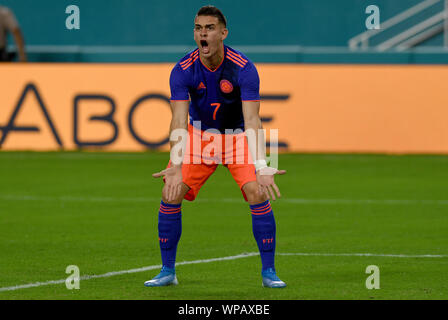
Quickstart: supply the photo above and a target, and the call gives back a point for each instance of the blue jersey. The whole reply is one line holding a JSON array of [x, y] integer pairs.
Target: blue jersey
[[216, 96]]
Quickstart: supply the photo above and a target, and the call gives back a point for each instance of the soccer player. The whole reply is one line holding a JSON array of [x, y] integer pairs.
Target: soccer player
[[218, 87]]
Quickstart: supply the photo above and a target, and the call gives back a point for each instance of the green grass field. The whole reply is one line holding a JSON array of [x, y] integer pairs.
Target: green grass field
[[99, 211]]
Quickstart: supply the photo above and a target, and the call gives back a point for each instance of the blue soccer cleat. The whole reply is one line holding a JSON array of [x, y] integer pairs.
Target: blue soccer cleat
[[166, 277], [270, 279]]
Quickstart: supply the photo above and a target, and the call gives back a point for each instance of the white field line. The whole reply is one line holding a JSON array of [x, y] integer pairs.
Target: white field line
[[242, 255], [232, 200], [117, 273], [365, 255]]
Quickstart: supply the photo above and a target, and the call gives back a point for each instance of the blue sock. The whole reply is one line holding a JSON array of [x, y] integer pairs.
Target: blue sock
[[263, 227], [170, 229]]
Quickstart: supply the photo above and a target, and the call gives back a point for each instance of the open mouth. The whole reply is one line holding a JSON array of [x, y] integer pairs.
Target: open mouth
[[204, 46]]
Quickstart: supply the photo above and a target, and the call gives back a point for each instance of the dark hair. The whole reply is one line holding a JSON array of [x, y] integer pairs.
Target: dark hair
[[214, 12]]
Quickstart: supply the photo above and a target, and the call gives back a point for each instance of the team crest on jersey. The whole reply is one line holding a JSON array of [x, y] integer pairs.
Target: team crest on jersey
[[226, 86]]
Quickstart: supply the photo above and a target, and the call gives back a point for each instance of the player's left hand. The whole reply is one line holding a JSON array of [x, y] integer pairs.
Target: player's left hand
[[173, 182], [266, 183]]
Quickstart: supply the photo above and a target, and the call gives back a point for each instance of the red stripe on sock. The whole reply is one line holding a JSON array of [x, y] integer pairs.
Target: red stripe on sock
[[261, 213], [262, 208], [169, 208], [170, 212]]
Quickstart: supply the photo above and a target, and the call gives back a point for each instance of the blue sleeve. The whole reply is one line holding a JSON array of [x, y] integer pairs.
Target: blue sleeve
[[249, 83], [178, 84]]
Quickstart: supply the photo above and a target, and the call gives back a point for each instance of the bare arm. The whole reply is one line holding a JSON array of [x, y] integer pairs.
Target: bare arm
[[253, 127], [257, 148], [12, 26], [178, 141], [178, 131], [20, 44]]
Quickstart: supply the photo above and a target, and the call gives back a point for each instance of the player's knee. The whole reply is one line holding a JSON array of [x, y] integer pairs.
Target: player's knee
[[252, 193], [177, 200]]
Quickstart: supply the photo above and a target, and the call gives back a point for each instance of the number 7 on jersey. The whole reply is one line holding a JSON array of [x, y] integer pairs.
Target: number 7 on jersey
[[217, 105]]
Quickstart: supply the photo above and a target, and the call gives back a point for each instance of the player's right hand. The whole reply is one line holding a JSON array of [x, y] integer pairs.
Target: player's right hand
[[173, 182]]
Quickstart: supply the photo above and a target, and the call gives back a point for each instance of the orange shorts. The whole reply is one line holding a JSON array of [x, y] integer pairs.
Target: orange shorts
[[205, 151]]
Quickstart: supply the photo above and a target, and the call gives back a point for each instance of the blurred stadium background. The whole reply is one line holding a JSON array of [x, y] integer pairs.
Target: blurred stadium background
[[363, 132], [329, 84], [287, 31]]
